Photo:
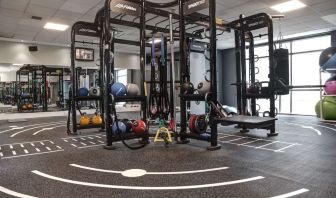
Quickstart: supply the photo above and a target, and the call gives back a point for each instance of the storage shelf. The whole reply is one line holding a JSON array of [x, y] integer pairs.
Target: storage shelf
[[193, 97], [84, 98], [129, 98]]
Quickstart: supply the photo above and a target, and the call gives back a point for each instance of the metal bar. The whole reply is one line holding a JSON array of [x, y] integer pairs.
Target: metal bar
[[143, 58], [238, 71], [213, 48], [172, 74], [252, 72], [243, 63]]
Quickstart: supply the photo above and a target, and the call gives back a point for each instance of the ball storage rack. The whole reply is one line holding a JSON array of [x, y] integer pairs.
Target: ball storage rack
[[86, 30]]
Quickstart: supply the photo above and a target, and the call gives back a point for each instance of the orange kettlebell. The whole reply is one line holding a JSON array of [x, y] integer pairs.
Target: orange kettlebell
[[97, 119], [29, 106], [84, 120], [24, 107]]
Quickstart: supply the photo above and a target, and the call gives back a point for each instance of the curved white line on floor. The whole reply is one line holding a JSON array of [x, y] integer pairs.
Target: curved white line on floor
[[291, 194], [47, 129], [14, 194], [19, 132], [333, 129], [21, 127], [150, 173], [307, 127], [145, 187]]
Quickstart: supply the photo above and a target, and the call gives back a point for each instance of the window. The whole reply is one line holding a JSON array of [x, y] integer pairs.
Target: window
[[121, 76], [311, 44]]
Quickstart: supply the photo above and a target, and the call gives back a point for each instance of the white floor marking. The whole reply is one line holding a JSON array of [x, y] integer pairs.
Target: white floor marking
[[65, 140], [73, 145], [151, 173], [38, 150], [236, 139], [32, 144], [82, 138], [13, 126], [98, 137], [279, 150], [81, 147], [267, 144], [49, 149], [333, 129], [11, 146], [17, 128], [91, 142], [307, 127], [47, 129], [248, 142], [291, 194], [26, 151], [134, 173], [100, 141], [14, 194], [1, 154], [0, 148], [42, 143], [82, 143], [32, 154], [52, 142], [14, 153], [146, 187], [59, 147], [91, 138], [19, 132], [22, 146], [74, 140]]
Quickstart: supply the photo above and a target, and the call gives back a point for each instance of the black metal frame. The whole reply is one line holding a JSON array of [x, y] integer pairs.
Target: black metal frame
[[90, 30], [244, 28], [31, 71]]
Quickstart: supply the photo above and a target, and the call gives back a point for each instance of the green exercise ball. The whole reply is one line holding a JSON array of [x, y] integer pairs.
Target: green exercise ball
[[329, 108]]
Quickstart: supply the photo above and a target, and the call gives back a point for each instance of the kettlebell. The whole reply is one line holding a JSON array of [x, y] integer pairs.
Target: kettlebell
[[94, 91], [84, 120], [187, 88], [24, 107], [132, 89], [203, 87], [29, 106], [139, 127], [97, 119]]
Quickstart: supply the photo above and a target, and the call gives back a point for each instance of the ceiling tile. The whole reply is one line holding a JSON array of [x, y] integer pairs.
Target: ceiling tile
[[14, 4]]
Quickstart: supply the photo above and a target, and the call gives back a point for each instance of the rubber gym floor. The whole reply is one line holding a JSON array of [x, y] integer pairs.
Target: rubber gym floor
[[38, 159]]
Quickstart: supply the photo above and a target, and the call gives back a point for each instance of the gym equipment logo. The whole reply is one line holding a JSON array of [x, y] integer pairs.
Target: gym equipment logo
[[195, 5], [125, 7]]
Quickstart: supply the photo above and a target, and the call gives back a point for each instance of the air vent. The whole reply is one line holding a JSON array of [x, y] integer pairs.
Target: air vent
[[36, 18]]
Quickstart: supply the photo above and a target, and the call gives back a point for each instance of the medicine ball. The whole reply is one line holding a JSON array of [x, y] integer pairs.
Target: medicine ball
[[203, 87], [139, 127], [200, 124], [191, 123], [83, 92], [328, 108], [118, 89], [330, 87], [328, 59], [187, 88], [132, 89], [94, 91], [128, 124], [84, 120], [205, 136], [97, 119], [118, 128]]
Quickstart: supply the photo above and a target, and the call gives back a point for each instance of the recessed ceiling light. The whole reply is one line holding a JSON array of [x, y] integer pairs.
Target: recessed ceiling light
[[288, 6], [21, 40], [55, 26]]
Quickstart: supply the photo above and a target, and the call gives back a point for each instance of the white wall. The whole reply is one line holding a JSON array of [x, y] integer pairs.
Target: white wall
[[18, 53]]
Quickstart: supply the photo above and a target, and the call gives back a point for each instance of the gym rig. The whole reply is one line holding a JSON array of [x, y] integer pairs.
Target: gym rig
[[33, 91], [79, 94], [136, 11]]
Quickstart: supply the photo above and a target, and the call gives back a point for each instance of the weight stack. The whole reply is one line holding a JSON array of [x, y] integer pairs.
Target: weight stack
[[281, 64]]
